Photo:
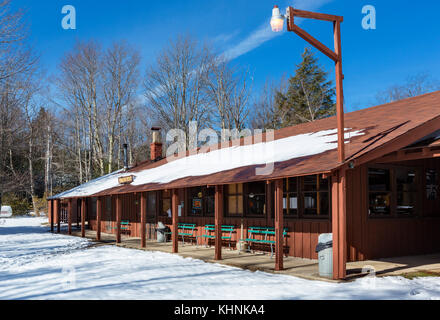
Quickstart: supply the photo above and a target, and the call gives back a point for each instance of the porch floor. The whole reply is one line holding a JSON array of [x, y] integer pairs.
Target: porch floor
[[258, 261]]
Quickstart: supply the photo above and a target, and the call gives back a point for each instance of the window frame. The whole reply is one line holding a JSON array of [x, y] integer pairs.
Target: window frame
[[161, 199], [236, 194], [245, 202], [303, 213], [205, 196], [393, 192], [298, 197], [149, 195], [301, 200]]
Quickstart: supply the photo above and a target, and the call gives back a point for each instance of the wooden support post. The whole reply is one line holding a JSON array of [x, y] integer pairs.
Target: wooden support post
[[58, 215], [269, 201], [339, 92], [175, 212], [98, 218], [279, 226], [50, 209], [83, 217], [143, 219], [118, 218], [69, 216], [78, 218], [339, 225], [218, 221]]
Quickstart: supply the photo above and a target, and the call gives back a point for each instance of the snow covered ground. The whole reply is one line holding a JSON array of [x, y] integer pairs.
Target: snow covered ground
[[35, 264]]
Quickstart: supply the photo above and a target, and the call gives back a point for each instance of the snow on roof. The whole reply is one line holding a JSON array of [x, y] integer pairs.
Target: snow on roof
[[91, 187], [220, 160]]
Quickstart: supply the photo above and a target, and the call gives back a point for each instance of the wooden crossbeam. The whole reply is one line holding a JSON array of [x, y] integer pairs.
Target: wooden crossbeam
[[315, 15], [401, 155], [314, 42]]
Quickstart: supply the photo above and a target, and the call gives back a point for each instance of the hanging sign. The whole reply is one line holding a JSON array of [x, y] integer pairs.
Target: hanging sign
[[126, 180]]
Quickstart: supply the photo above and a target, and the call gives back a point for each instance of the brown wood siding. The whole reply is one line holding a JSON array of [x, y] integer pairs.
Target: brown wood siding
[[372, 238]]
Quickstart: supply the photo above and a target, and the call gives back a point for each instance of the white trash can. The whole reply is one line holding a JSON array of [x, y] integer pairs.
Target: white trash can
[[325, 255], [161, 232]]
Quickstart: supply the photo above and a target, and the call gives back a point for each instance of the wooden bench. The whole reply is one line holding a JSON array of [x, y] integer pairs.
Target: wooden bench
[[263, 233], [210, 228]]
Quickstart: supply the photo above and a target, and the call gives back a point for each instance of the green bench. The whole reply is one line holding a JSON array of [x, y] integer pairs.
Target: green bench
[[184, 230], [210, 228], [263, 233], [125, 226]]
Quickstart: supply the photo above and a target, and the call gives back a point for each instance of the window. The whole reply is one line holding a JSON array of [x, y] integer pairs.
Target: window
[[406, 183], [108, 207], [209, 200], [393, 191], [93, 204], [316, 195], [201, 201], [196, 206], [256, 198], [379, 182], [432, 183], [151, 204], [234, 196], [290, 199], [165, 203]]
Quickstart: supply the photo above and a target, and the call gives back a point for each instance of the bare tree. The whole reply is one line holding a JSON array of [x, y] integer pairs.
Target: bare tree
[[239, 101], [99, 91], [31, 108], [79, 83], [414, 86], [229, 92], [11, 127], [265, 114], [15, 56], [121, 81], [175, 86]]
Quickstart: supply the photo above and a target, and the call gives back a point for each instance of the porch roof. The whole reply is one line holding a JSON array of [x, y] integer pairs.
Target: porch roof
[[304, 149]]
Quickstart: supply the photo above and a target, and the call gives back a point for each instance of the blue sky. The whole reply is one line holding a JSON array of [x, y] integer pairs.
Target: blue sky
[[406, 41]]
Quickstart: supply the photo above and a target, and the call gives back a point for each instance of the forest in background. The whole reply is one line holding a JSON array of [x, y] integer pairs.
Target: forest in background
[[61, 130]]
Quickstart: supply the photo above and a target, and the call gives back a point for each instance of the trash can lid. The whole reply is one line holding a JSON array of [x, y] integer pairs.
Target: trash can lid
[[325, 238], [322, 246], [160, 225]]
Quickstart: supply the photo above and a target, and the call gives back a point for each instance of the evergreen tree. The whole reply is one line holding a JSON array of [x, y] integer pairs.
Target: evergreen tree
[[309, 95]]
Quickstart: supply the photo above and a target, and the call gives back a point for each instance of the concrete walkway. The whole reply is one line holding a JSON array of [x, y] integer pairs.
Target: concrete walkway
[[303, 268]]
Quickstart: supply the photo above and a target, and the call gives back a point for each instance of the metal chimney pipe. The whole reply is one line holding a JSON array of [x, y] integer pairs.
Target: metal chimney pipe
[[125, 156]]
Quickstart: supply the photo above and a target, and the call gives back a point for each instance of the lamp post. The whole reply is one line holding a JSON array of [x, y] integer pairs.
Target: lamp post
[[339, 216], [277, 23]]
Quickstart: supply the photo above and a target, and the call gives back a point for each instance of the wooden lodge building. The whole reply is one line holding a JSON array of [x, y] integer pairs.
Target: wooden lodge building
[[382, 201]]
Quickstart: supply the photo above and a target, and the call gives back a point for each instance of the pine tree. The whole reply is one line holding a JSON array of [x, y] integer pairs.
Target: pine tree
[[309, 96]]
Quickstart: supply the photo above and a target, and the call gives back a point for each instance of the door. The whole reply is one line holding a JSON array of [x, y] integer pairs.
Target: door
[[151, 215]]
